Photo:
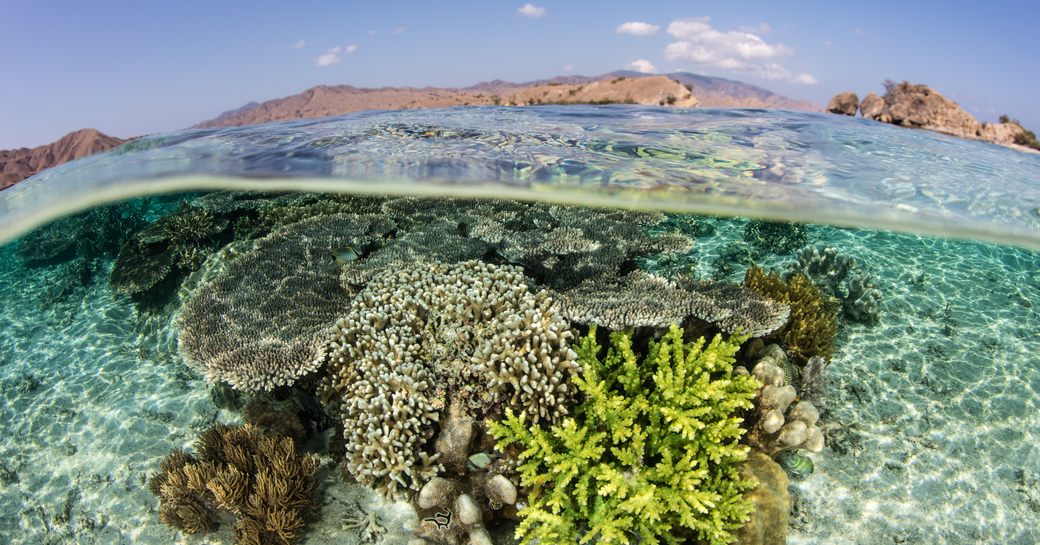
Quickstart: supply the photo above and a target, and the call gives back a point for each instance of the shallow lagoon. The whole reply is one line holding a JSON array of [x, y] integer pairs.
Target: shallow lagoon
[[930, 423]]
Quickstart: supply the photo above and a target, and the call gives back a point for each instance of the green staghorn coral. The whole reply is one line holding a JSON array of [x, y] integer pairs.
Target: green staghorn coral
[[650, 456]]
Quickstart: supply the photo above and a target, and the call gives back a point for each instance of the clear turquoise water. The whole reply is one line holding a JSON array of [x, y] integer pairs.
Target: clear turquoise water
[[932, 420]]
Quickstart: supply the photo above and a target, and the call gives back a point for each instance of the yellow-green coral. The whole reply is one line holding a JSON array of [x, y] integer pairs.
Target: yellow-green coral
[[813, 326], [648, 457]]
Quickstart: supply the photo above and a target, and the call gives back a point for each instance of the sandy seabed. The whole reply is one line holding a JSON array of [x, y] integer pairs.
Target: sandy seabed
[[931, 425]]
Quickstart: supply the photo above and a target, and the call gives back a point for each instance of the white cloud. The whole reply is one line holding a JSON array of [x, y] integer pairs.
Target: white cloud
[[637, 28], [351, 48], [642, 65], [760, 28], [568, 68], [329, 57], [400, 29], [738, 50], [371, 33], [531, 10], [300, 44]]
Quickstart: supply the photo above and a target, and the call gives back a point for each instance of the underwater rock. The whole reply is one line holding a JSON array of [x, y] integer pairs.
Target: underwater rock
[[772, 502], [225, 397]]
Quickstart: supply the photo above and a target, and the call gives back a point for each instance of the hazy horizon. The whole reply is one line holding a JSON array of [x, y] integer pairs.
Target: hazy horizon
[[129, 69]]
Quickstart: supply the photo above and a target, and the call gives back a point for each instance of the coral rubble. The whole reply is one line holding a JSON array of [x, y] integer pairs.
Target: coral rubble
[[260, 480], [650, 455]]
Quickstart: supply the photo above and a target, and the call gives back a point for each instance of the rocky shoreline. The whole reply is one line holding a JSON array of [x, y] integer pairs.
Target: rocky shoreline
[[921, 107]]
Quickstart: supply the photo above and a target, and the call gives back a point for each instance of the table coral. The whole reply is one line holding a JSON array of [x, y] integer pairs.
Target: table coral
[[260, 322]]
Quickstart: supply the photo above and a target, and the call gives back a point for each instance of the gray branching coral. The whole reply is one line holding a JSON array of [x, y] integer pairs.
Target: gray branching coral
[[260, 322], [835, 274], [419, 332], [643, 299]]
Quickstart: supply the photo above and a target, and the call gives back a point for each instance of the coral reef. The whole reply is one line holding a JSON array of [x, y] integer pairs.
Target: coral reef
[[813, 383], [650, 455], [97, 233], [260, 321], [768, 524], [777, 423], [769, 237], [421, 333], [641, 299], [177, 243], [813, 326], [260, 480], [833, 273], [458, 506]]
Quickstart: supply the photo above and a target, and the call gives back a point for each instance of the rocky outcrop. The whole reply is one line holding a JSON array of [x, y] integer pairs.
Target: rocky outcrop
[[921, 107], [872, 107], [18, 164], [844, 103], [768, 522]]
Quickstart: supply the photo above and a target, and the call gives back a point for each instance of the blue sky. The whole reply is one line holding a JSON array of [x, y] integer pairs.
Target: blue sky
[[131, 68]]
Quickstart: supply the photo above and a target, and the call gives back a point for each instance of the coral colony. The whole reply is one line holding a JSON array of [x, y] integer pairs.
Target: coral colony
[[497, 365]]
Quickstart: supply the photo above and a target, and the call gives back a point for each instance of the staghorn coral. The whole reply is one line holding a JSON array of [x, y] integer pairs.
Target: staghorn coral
[[419, 333], [651, 454], [642, 299], [834, 273], [258, 479], [260, 321], [778, 424], [813, 327]]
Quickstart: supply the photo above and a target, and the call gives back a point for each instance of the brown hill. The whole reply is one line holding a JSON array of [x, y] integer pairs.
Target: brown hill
[[616, 87], [18, 164]]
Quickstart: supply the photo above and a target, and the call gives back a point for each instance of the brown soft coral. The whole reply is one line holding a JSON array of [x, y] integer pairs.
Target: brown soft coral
[[813, 326], [259, 479]]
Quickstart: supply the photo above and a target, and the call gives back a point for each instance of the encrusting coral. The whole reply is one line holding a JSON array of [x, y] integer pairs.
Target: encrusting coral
[[641, 299], [650, 456], [260, 322], [419, 333], [813, 327], [260, 480]]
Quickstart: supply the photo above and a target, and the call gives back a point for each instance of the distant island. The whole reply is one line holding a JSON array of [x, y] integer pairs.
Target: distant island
[[920, 107], [679, 89]]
